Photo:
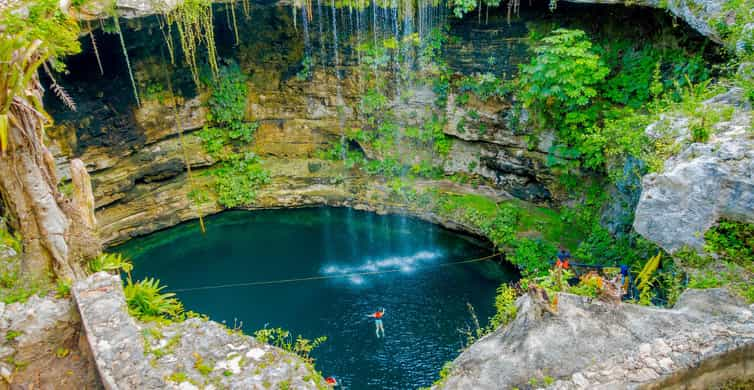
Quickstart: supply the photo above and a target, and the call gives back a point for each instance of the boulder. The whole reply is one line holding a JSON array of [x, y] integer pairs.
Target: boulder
[[704, 183]]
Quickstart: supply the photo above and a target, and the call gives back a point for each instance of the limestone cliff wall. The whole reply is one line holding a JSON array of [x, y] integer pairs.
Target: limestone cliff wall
[[136, 162]]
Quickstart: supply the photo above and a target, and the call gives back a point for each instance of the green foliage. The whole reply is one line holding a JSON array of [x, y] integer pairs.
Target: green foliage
[[306, 69], [33, 33], [61, 352], [178, 377], [445, 372], [227, 113], [239, 174], [561, 81], [15, 286], [484, 86], [12, 335], [147, 302], [646, 278], [589, 285], [110, 262], [699, 131], [373, 102], [227, 104], [633, 84], [63, 288], [505, 306], [532, 256], [9, 240], [672, 284], [729, 261], [462, 7], [600, 97], [554, 281], [688, 257], [732, 241], [238, 178], [509, 225], [706, 279], [193, 21], [284, 339], [199, 364], [601, 247]]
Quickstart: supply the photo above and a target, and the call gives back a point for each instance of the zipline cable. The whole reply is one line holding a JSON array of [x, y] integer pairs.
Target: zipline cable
[[323, 277]]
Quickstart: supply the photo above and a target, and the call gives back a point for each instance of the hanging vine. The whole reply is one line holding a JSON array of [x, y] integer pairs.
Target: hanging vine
[[125, 55], [235, 24], [94, 46], [193, 19], [246, 8], [167, 34]]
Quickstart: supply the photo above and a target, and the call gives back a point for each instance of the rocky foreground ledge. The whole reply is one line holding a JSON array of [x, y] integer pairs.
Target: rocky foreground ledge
[[707, 338], [192, 354]]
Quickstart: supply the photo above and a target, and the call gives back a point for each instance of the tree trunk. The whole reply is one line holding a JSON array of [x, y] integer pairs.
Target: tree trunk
[[58, 234]]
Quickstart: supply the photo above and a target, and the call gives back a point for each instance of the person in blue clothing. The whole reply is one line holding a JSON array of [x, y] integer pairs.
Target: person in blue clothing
[[623, 278], [564, 254]]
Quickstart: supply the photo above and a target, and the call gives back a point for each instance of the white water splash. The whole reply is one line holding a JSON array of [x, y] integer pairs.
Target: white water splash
[[406, 264]]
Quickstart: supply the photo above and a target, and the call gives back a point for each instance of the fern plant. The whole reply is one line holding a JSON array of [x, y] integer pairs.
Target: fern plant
[[646, 278], [146, 301], [110, 262]]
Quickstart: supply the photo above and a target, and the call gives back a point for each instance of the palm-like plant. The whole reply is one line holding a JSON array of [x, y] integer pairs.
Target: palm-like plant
[[25, 44]]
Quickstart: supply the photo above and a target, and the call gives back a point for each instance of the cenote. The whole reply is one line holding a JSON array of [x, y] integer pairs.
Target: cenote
[[425, 298]]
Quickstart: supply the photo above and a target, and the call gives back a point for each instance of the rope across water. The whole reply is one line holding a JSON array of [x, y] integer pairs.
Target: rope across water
[[323, 277]]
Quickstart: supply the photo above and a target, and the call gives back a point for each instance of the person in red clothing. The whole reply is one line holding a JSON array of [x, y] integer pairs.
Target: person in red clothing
[[564, 257], [562, 264], [330, 381], [378, 321]]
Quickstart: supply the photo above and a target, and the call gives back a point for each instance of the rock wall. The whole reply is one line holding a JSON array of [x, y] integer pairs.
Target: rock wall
[[595, 345], [704, 182], [701, 15], [42, 346], [138, 171], [192, 354]]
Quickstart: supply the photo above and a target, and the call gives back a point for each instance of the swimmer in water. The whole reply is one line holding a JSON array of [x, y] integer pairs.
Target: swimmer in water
[[378, 321]]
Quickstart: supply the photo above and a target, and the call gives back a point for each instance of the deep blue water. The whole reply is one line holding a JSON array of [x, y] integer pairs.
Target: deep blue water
[[426, 305]]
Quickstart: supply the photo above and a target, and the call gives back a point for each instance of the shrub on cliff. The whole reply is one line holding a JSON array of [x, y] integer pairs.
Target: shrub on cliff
[[561, 82]]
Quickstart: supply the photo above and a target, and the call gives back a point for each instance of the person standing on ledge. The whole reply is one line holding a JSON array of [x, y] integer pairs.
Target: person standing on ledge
[[378, 321], [564, 257]]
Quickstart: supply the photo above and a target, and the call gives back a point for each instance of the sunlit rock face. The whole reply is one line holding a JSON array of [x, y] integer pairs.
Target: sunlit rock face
[[704, 183]]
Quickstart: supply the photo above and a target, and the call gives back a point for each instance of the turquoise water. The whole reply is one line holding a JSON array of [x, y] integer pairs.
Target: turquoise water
[[426, 303]]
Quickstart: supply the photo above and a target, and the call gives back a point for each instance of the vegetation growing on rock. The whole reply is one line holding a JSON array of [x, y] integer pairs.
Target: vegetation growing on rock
[[595, 94]]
